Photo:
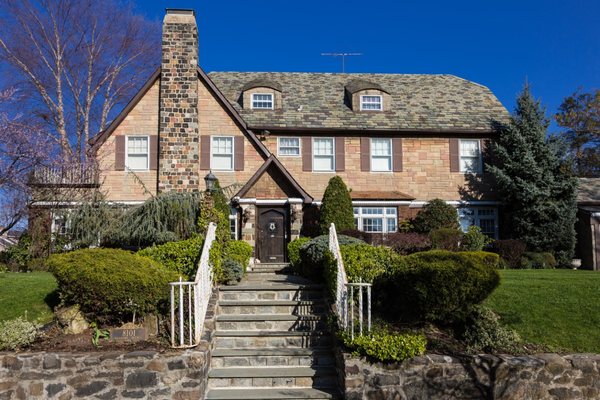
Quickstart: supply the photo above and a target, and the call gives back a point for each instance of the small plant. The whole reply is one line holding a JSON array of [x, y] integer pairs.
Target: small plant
[[434, 215], [484, 333], [474, 239], [98, 334], [17, 333], [232, 272], [239, 251], [386, 346]]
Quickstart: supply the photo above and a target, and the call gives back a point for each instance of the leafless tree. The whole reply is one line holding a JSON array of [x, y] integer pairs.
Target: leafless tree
[[78, 62]]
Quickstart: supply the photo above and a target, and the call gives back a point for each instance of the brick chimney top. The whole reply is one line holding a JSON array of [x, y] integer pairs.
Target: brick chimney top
[[180, 11]]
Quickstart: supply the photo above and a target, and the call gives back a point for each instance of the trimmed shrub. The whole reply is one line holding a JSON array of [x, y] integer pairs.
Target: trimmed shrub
[[474, 240], [293, 249], [17, 333], [232, 272], [382, 345], [435, 215], [181, 257], [365, 262], [111, 285], [437, 286], [532, 260], [510, 250], [484, 333], [313, 253], [336, 207], [407, 243], [446, 239], [239, 251]]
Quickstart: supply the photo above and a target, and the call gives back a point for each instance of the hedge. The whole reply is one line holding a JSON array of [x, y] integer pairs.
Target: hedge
[[111, 286], [238, 251], [436, 286], [293, 249], [364, 262], [181, 257]]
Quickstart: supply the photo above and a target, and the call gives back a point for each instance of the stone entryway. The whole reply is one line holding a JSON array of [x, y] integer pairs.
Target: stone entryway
[[271, 340]]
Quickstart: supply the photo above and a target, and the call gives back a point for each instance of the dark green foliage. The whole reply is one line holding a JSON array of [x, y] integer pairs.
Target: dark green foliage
[[336, 207], [181, 257], [232, 272], [239, 251], [510, 251], [532, 260], [474, 240], [534, 184], [382, 345], [210, 213], [17, 258], [402, 242], [482, 332], [364, 262], [436, 286], [293, 249], [445, 239], [435, 215], [313, 254], [111, 285]]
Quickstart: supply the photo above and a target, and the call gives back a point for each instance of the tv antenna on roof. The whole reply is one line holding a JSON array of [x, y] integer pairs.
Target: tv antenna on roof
[[343, 55]]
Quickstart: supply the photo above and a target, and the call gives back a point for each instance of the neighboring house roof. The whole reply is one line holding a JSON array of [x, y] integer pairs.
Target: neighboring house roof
[[589, 191], [427, 103]]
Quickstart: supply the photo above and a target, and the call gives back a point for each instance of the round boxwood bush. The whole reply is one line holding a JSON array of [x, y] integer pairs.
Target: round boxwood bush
[[437, 286], [111, 285], [239, 251], [365, 262], [181, 257], [434, 215], [313, 254]]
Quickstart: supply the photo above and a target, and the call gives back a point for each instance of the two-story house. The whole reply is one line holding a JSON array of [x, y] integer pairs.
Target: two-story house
[[397, 140]]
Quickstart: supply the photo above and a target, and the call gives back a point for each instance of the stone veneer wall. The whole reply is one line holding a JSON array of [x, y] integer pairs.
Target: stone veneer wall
[[543, 376], [179, 158]]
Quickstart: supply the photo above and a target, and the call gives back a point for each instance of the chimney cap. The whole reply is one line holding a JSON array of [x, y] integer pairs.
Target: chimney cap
[[180, 11]]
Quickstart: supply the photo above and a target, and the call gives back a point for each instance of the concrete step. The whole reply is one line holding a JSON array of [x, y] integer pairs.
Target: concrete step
[[271, 291], [269, 339], [274, 322], [319, 377], [290, 307], [288, 393], [270, 269], [316, 356]]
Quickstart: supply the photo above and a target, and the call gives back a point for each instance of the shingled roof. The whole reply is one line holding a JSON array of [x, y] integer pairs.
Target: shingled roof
[[428, 103]]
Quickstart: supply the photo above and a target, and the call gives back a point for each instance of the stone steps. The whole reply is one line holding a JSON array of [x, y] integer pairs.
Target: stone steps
[[270, 340]]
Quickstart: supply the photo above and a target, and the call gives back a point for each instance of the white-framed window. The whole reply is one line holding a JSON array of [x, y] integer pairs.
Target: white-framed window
[[371, 103], [470, 156], [381, 155], [376, 219], [60, 224], [486, 218], [288, 146], [323, 154], [221, 153], [233, 223], [138, 153], [263, 101]]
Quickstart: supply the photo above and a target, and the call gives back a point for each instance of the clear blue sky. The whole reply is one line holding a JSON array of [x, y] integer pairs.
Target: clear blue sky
[[498, 43]]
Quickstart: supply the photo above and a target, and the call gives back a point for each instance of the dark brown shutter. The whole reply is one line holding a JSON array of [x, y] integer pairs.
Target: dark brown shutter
[[365, 154], [204, 152], [238, 162], [153, 152], [484, 146], [397, 154], [120, 153], [307, 154], [454, 156], [340, 155]]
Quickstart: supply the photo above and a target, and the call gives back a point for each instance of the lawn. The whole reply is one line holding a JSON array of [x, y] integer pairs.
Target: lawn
[[558, 308], [33, 293]]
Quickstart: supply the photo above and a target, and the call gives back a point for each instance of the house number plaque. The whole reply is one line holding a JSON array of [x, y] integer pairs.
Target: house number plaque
[[132, 334]]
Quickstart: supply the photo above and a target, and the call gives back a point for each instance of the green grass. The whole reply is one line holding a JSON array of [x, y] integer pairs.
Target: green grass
[[556, 308], [34, 293]]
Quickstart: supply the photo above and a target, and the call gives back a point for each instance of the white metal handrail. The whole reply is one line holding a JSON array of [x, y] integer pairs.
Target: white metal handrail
[[192, 299], [344, 294]]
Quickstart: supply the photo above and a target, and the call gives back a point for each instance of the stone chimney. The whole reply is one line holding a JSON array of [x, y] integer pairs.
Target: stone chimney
[[178, 119]]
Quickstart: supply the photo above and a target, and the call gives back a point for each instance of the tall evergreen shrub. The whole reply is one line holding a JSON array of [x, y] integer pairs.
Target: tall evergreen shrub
[[436, 214], [336, 207]]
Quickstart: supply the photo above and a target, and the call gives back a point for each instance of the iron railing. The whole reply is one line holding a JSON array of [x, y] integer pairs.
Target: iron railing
[[189, 300]]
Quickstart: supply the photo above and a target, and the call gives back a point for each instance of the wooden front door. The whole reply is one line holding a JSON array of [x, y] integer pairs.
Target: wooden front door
[[272, 234]]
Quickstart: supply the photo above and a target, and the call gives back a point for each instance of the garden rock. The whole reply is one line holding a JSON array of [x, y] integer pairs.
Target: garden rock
[[72, 319]]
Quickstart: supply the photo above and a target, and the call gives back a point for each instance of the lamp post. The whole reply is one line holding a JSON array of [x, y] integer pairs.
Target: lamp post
[[210, 179]]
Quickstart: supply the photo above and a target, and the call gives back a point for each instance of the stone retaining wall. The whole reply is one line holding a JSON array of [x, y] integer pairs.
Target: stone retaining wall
[[104, 375], [543, 376]]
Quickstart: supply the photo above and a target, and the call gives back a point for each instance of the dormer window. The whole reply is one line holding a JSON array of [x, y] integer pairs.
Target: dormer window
[[371, 103], [262, 101]]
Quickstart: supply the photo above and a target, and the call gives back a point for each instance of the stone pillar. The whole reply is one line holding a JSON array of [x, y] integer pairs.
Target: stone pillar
[[178, 119], [296, 217], [248, 221]]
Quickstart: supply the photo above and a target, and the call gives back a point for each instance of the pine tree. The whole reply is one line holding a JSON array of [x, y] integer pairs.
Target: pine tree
[[538, 192], [336, 207]]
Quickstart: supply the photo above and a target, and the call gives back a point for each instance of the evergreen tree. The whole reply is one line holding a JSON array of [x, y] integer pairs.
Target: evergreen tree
[[538, 192], [436, 214], [336, 207]]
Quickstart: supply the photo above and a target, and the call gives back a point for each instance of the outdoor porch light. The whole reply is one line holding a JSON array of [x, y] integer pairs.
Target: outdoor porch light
[[210, 180]]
